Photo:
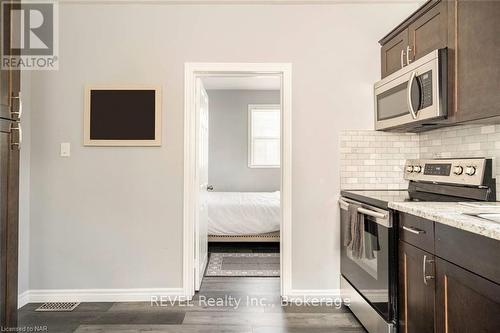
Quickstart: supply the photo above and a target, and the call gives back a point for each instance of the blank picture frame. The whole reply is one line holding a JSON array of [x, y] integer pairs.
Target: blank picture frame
[[122, 115]]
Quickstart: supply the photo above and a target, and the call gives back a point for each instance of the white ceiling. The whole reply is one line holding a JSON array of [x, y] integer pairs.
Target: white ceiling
[[241, 82]]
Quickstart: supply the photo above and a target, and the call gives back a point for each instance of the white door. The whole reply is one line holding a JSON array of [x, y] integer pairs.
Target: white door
[[201, 235]]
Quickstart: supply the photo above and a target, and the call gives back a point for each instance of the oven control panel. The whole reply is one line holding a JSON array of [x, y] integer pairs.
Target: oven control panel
[[437, 169], [467, 171]]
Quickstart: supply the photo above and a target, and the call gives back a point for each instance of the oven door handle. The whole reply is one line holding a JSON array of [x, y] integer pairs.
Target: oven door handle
[[365, 211], [371, 213]]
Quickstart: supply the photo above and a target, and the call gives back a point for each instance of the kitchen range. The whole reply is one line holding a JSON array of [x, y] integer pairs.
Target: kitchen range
[[393, 241]]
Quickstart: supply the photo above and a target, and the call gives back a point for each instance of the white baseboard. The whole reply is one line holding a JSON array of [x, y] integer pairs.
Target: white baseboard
[[146, 294], [205, 263], [98, 295], [23, 299], [310, 295]]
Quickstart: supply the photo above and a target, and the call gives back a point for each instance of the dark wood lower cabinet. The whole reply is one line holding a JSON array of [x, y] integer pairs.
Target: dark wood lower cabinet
[[9, 206], [465, 302], [453, 288], [416, 290]]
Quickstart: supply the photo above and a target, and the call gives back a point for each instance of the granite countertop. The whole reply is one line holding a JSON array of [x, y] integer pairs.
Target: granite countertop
[[452, 214]]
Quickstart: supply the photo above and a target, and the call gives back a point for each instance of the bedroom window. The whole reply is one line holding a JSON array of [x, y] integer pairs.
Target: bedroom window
[[264, 136]]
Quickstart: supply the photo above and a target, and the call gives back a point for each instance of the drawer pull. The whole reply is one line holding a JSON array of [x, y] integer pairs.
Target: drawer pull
[[414, 230]]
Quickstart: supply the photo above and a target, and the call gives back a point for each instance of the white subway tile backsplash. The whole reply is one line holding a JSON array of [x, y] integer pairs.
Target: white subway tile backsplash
[[474, 146], [375, 160], [470, 141], [378, 159], [488, 129]]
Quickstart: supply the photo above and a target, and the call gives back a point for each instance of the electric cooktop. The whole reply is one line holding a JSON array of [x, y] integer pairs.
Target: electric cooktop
[[450, 180]]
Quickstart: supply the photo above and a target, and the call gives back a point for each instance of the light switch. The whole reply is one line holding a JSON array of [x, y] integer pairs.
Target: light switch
[[65, 149]]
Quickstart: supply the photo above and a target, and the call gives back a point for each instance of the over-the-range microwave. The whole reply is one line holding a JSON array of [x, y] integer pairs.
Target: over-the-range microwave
[[415, 95]]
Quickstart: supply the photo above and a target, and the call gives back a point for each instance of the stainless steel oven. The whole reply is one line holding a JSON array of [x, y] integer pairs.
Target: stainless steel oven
[[413, 96], [369, 283]]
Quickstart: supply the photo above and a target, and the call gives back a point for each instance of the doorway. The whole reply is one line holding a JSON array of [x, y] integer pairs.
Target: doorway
[[195, 172]]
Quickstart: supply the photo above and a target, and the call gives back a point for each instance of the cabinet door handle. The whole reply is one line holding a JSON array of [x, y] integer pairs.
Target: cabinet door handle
[[408, 50], [424, 269], [413, 230], [402, 58]]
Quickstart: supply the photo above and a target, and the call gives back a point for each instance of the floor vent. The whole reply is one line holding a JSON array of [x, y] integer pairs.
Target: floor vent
[[58, 307]]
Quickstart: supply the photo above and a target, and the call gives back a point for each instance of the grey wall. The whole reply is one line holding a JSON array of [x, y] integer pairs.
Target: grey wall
[[228, 142], [112, 217]]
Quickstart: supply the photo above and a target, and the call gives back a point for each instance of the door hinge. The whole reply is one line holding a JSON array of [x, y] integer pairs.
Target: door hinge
[[13, 143], [16, 106]]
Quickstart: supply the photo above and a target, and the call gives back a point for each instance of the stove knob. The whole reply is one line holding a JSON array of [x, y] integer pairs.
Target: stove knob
[[458, 170], [470, 171], [409, 168], [417, 168]]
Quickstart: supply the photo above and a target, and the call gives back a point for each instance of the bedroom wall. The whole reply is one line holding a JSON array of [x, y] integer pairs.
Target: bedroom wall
[[228, 169], [112, 217]]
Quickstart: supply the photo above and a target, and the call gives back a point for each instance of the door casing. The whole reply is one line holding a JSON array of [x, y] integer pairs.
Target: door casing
[[201, 218], [191, 72]]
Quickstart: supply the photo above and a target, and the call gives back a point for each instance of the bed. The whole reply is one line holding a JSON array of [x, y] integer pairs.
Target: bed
[[244, 216]]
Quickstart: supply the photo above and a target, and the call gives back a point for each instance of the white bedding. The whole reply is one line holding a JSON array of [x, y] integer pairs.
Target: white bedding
[[243, 213]]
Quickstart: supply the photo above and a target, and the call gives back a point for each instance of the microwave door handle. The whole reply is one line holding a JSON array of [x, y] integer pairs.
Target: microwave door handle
[[402, 58], [408, 90]]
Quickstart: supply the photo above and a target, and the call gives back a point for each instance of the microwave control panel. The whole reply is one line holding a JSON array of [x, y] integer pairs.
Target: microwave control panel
[[425, 81]]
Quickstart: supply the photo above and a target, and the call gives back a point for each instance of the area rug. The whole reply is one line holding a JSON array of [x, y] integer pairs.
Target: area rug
[[244, 264]]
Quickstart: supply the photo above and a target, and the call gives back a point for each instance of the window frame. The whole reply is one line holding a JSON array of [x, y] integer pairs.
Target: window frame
[[261, 107]]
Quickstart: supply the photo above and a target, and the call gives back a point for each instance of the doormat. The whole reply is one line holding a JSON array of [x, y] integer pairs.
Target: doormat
[[244, 264]]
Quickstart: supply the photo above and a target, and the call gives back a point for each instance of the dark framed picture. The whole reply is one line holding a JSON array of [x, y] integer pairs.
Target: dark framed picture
[[122, 116]]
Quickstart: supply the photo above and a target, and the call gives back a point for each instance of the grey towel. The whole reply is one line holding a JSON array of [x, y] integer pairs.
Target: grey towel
[[352, 213], [356, 225]]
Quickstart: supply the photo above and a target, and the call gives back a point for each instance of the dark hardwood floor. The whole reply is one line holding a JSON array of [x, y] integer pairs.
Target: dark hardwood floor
[[260, 311]]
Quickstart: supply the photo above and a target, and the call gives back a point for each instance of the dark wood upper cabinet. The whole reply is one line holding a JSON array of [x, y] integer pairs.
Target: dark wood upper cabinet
[[10, 80], [429, 31], [5, 93], [477, 59], [466, 302], [416, 289], [394, 53], [469, 29]]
